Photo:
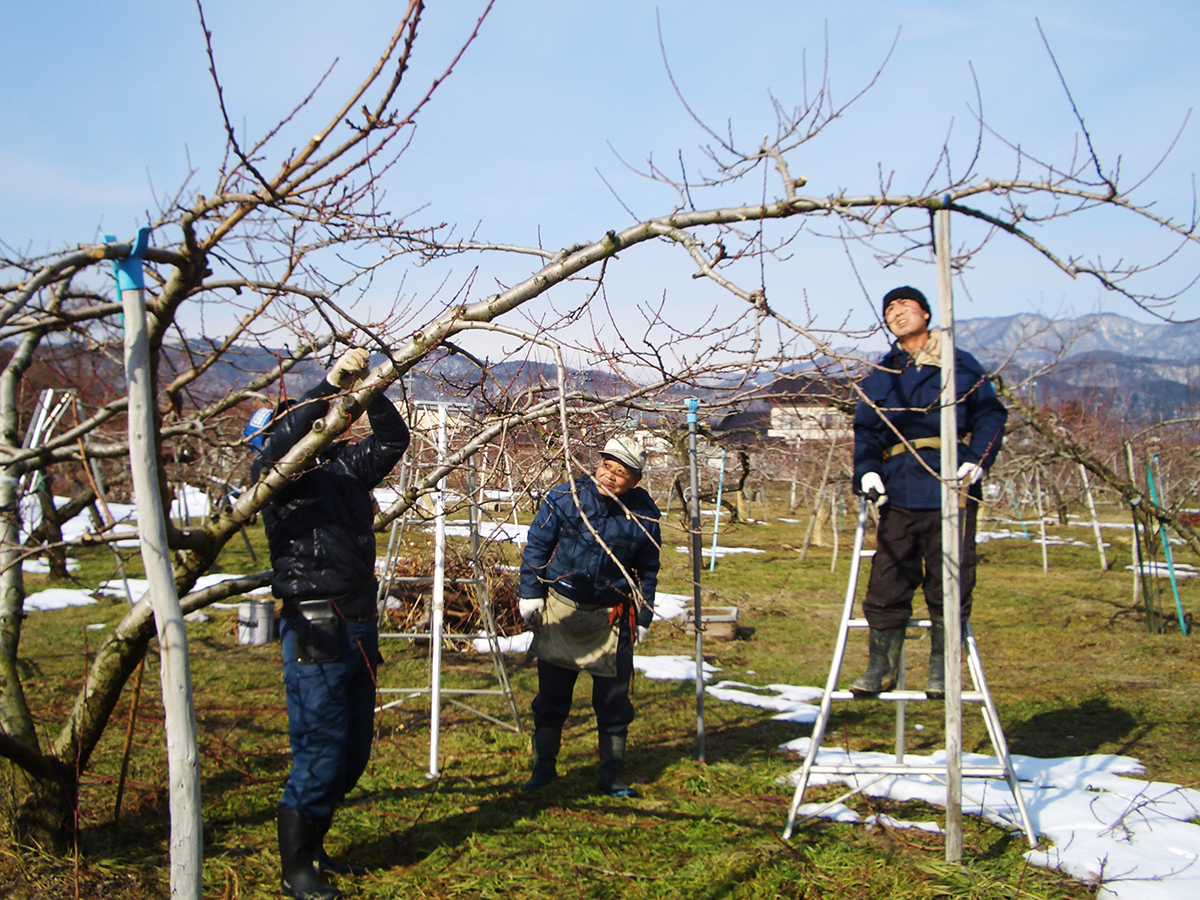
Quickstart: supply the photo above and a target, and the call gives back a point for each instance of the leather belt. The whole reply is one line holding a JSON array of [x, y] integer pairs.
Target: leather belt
[[929, 443]]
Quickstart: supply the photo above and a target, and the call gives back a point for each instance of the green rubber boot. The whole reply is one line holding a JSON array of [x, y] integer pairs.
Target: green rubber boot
[[884, 665], [612, 760], [546, 743]]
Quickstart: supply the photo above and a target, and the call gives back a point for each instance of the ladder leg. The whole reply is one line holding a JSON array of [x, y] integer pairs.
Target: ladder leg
[[988, 708], [475, 514], [835, 669], [996, 732], [901, 683], [814, 747]]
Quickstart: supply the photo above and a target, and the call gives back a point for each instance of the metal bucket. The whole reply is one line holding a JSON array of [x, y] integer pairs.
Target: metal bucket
[[256, 621]]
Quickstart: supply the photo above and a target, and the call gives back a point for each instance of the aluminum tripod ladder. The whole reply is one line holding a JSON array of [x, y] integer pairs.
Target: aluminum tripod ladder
[[435, 633], [900, 696]]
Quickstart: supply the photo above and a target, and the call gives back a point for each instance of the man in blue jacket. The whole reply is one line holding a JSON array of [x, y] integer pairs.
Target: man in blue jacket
[[897, 450], [588, 577], [322, 543]]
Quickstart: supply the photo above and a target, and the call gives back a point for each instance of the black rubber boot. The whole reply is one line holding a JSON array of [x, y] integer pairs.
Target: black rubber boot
[[299, 842], [935, 685], [546, 742], [326, 864], [612, 760], [884, 665]]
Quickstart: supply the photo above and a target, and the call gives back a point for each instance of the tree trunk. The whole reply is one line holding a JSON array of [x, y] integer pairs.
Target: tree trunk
[[56, 551], [41, 792], [820, 517]]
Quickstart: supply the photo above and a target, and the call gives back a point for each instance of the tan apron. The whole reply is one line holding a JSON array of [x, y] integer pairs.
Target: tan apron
[[581, 639]]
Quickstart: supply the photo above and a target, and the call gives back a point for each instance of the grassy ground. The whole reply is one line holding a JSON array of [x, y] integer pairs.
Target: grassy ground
[[1072, 668]]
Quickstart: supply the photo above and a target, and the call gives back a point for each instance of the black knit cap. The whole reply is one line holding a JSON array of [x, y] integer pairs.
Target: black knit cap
[[905, 293]]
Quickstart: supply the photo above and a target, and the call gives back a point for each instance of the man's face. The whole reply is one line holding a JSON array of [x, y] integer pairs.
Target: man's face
[[613, 478], [905, 318]]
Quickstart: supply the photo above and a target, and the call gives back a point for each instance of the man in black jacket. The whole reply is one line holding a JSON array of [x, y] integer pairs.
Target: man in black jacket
[[319, 529]]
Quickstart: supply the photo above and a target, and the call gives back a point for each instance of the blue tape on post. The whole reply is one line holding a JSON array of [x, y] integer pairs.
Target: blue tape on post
[[128, 271], [692, 404]]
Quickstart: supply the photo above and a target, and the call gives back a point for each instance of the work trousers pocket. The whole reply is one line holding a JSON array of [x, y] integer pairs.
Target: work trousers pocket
[[316, 631]]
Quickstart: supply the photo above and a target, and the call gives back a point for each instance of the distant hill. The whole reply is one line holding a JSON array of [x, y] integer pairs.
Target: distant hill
[[1131, 369], [1030, 340]]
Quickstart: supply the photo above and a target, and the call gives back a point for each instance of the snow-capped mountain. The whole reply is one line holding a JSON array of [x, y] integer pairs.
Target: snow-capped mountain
[[1133, 369], [1031, 340]]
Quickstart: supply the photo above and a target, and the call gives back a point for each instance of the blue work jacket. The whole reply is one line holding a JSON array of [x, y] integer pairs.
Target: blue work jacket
[[563, 554], [908, 396]]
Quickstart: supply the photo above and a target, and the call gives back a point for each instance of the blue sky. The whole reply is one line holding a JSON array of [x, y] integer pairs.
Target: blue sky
[[108, 106]]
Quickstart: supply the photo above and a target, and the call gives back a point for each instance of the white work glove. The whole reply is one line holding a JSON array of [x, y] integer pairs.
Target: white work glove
[[352, 366], [642, 632], [872, 482], [531, 608], [970, 473]]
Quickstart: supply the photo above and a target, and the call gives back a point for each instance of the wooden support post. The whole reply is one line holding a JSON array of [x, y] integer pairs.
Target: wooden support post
[[693, 406], [183, 758], [951, 546], [1091, 503], [833, 526], [1037, 498]]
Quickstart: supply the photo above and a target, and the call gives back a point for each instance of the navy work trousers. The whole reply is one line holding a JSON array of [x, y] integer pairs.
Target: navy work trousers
[[331, 711], [610, 696], [908, 555]]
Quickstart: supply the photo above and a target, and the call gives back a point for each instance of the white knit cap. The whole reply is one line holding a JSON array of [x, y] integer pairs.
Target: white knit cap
[[627, 452]]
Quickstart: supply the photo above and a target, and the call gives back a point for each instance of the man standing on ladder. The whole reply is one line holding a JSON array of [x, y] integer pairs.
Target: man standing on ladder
[[897, 455], [588, 578], [319, 529]]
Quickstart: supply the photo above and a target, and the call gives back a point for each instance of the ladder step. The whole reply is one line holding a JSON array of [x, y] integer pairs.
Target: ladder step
[[907, 696], [912, 623], [904, 769]]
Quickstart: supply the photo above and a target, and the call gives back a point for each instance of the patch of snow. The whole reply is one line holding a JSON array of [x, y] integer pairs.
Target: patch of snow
[[42, 566], [671, 668], [139, 586], [58, 598], [792, 704], [1162, 570], [982, 537], [707, 552], [890, 822], [488, 531], [671, 606], [1132, 837]]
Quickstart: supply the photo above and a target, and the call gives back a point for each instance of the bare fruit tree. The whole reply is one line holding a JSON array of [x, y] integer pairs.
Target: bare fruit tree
[[287, 238]]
